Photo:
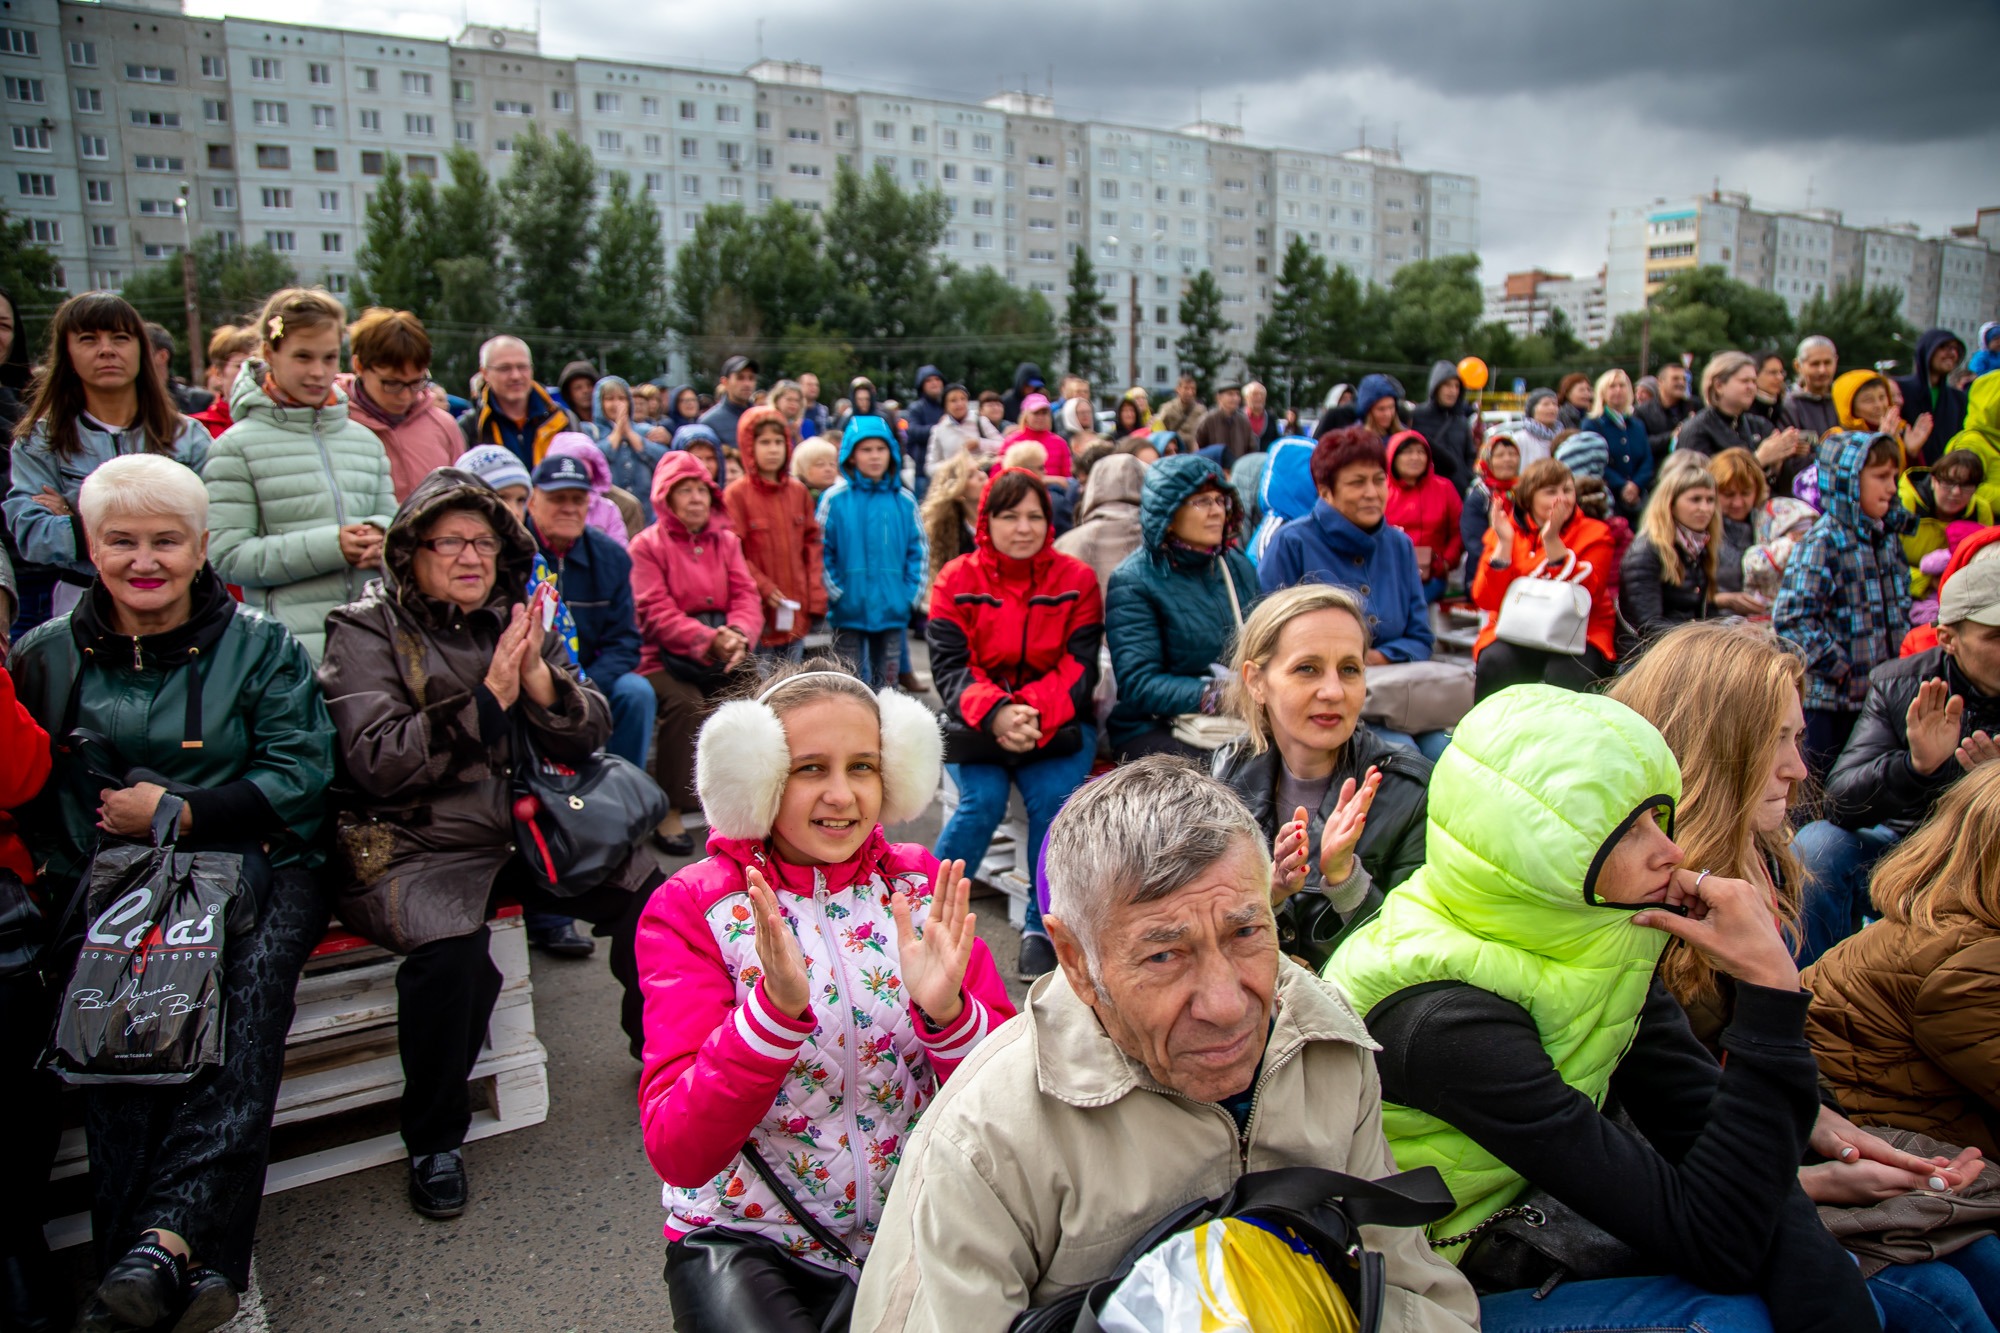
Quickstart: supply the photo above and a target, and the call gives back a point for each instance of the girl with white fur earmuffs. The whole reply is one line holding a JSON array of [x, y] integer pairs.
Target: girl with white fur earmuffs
[[807, 988]]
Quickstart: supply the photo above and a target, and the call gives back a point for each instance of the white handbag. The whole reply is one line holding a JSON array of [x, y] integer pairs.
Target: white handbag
[[1549, 613]]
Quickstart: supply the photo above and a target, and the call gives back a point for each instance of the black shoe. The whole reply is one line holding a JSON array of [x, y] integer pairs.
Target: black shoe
[[211, 1302], [563, 941], [1038, 957], [145, 1286], [674, 844], [34, 1298], [437, 1184]]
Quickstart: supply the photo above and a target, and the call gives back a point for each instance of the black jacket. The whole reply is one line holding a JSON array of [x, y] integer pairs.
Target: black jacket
[[1873, 782], [1661, 423], [1392, 842], [1814, 414], [1448, 430], [1945, 404], [1651, 605]]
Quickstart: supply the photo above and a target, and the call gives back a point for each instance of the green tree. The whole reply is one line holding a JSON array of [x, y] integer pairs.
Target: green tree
[[1087, 340], [752, 282], [1292, 353], [1866, 326], [1561, 335], [1432, 309], [1700, 311], [547, 216], [471, 300], [1001, 326], [230, 284], [884, 280], [1200, 347], [31, 274], [627, 283], [399, 230]]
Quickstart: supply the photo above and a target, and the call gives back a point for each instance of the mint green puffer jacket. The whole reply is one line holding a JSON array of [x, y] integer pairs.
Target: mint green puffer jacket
[[282, 482], [1536, 782]]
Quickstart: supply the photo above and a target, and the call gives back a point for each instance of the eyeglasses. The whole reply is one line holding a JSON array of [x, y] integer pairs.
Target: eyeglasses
[[1212, 500], [453, 547], [417, 385]]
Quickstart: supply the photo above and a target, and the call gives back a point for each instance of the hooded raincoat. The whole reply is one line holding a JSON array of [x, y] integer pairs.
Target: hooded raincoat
[[687, 585], [631, 469], [875, 557], [781, 537], [1451, 431], [1427, 511], [1982, 434], [1107, 523], [1945, 404]]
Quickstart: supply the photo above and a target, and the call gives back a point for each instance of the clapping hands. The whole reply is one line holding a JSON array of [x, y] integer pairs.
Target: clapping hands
[[933, 961]]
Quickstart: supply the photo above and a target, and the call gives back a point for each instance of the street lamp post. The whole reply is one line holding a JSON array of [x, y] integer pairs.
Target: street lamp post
[[190, 298]]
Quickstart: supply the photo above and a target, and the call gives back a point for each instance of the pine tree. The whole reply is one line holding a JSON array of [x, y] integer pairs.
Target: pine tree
[[397, 266], [1561, 334], [880, 245], [546, 216], [1867, 327], [1087, 340], [471, 281], [1290, 356], [627, 284], [1200, 348]]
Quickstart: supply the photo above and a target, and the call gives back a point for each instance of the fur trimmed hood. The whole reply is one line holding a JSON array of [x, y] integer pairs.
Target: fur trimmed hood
[[742, 759]]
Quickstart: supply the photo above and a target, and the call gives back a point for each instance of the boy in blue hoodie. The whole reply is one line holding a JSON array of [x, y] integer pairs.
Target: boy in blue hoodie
[[874, 551], [1845, 599], [1987, 359]]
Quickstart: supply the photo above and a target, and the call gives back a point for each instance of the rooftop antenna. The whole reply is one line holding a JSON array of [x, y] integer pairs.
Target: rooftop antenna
[[760, 41], [1052, 81], [1197, 106], [1809, 191], [1396, 136], [1239, 111], [1364, 131]]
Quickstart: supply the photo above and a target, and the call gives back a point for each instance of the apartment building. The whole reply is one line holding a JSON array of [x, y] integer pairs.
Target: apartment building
[[276, 134], [1524, 302]]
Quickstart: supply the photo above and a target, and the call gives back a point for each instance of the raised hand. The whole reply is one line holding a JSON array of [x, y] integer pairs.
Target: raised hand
[[1934, 720], [1350, 816], [933, 961], [1503, 527], [1288, 857], [1978, 748], [1730, 922], [785, 983], [1552, 543], [1919, 431]]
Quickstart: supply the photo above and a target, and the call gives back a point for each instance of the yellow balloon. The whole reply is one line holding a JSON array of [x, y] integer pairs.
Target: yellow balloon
[[1472, 373]]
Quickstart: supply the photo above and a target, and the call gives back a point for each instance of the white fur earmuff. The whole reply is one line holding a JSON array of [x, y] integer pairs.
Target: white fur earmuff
[[741, 761]]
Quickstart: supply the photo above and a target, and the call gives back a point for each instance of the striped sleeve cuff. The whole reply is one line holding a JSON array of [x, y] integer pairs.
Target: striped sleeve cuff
[[955, 1041], [768, 1032]]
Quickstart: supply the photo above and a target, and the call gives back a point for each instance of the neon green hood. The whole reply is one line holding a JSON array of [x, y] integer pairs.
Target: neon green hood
[[1537, 784]]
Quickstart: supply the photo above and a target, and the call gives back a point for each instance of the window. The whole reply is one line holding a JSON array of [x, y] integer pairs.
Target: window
[[90, 101], [371, 164], [797, 135], [461, 91], [221, 157], [262, 68], [918, 134], [1041, 192], [729, 115], [649, 106], [215, 110], [982, 240], [156, 208], [652, 145], [1107, 189], [90, 147], [25, 90], [420, 125], [803, 169], [656, 181], [505, 108], [765, 194], [463, 131], [279, 199], [610, 141], [919, 170], [732, 153], [337, 283], [766, 159], [423, 164], [763, 120], [319, 73], [691, 186], [691, 150], [561, 101], [732, 187], [687, 111], [284, 242], [369, 120], [982, 143], [367, 80], [416, 85], [982, 175], [44, 232], [270, 113], [19, 42], [274, 157], [326, 159], [83, 55], [36, 185], [607, 102], [1046, 161], [329, 242], [103, 236], [843, 129], [982, 208], [329, 201], [948, 138]]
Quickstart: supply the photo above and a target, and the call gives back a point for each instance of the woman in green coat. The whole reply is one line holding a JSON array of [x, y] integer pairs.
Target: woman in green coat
[[301, 493], [220, 702]]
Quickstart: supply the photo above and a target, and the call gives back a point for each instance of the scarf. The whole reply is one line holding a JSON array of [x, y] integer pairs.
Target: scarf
[[1692, 543], [359, 394]]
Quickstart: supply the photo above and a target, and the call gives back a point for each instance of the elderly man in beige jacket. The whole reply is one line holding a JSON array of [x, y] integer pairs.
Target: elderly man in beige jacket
[[1174, 1050]]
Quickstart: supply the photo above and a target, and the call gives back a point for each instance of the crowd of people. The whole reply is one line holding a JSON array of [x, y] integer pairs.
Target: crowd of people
[[1666, 929]]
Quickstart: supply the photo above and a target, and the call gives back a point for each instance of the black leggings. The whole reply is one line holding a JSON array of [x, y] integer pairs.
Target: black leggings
[[720, 1280], [1503, 664]]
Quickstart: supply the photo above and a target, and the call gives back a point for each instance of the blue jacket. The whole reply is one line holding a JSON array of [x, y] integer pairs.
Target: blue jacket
[[1166, 610], [1845, 599], [1380, 565], [42, 538], [595, 580], [1284, 492], [631, 470], [1631, 453], [875, 552], [1984, 359], [923, 413]]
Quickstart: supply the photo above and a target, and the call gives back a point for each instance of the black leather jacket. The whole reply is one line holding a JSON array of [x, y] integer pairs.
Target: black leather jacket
[[1873, 782]]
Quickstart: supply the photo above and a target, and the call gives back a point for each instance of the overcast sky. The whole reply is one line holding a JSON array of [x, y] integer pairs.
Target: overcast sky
[[1562, 109]]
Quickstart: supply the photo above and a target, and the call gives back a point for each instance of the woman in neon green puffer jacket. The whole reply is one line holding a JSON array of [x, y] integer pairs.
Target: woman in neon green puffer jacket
[[300, 495]]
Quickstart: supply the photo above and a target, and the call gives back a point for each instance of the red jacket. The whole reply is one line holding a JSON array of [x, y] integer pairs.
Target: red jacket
[[1014, 631], [781, 538], [1427, 512], [24, 767], [678, 576], [1588, 537]]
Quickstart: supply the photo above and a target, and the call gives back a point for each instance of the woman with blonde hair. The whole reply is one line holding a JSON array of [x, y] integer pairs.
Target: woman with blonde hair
[[1629, 471], [1344, 809], [1668, 571], [950, 510]]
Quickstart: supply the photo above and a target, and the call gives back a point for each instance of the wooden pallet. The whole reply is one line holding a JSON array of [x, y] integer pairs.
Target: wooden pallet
[[340, 1055]]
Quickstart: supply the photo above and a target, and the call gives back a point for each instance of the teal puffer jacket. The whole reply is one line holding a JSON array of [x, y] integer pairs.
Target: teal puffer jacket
[[282, 483], [1167, 612]]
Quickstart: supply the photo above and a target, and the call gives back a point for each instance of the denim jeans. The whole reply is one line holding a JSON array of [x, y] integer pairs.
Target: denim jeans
[[1837, 863], [1430, 744], [770, 659], [982, 804], [1623, 1305], [871, 652], [1434, 589], [1959, 1293]]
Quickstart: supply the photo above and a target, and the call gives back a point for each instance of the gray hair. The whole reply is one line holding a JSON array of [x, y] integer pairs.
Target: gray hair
[[148, 485], [494, 344], [1813, 342], [1136, 835]]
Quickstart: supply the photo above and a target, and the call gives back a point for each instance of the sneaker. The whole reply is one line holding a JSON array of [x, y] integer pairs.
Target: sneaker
[[144, 1286], [211, 1302], [1038, 957], [437, 1184], [563, 941]]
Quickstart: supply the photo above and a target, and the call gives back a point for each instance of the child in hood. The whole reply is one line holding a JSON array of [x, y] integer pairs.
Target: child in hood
[[1427, 508], [808, 987], [874, 550], [773, 512], [1987, 359], [1780, 525], [1866, 402]]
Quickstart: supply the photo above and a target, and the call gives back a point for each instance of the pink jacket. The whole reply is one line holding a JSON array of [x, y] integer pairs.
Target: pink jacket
[[1059, 464], [677, 574], [829, 1099], [418, 445], [603, 515]]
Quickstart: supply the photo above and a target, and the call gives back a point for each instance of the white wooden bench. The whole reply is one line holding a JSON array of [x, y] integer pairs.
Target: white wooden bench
[[340, 1055]]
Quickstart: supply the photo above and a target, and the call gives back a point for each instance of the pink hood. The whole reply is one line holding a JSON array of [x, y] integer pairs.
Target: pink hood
[[604, 515]]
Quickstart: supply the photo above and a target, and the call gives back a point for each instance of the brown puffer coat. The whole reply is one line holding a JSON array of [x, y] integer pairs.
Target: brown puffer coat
[[1906, 1025], [425, 822]]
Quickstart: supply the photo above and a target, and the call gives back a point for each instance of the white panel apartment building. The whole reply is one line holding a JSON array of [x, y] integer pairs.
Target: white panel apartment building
[[279, 132]]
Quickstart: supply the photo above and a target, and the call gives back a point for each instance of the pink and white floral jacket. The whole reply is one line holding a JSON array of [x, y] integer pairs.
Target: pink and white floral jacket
[[829, 1099]]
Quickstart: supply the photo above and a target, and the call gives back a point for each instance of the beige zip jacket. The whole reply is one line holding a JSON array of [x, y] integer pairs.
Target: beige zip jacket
[[1050, 1152]]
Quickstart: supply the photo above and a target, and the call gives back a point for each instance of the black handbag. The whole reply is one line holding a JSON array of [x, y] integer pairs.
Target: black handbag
[[575, 827], [1539, 1242], [711, 1289], [26, 934], [701, 671], [1311, 928], [1326, 1209]]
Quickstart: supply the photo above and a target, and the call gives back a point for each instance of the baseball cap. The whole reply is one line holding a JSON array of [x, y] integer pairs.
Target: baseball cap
[[1034, 402], [1973, 593], [562, 474], [736, 363]]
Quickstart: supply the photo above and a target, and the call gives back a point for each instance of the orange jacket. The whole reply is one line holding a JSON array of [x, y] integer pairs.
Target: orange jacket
[[1591, 540], [782, 543]]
